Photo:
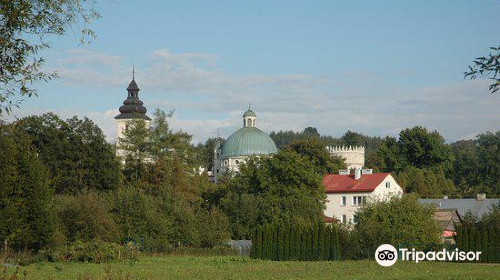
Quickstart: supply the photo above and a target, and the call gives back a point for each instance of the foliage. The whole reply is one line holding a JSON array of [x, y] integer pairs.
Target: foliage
[[146, 145], [283, 187], [86, 217], [24, 26], [477, 164], [26, 221], [314, 242], [481, 238], [397, 221], [350, 138], [315, 152], [140, 219], [488, 66], [415, 147], [94, 251], [75, 152]]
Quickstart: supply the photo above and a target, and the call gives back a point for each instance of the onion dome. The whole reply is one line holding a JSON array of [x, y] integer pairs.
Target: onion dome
[[133, 107]]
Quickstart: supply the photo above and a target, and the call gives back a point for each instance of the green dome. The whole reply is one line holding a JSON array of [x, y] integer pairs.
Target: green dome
[[248, 141], [249, 113]]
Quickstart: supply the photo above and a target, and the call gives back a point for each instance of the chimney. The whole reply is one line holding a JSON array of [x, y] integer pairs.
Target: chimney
[[481, 196], [357, 173]]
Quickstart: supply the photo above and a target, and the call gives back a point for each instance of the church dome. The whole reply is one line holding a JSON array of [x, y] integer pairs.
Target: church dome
[[248, 141]]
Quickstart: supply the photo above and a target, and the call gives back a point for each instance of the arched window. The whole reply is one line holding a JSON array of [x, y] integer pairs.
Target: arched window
[[249, 122]]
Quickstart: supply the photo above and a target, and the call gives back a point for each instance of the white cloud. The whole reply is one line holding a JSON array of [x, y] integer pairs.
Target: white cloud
[[358, 100]]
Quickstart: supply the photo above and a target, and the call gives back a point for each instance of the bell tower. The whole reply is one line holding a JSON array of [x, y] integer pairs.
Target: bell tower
[[249, 118], [132, 109]]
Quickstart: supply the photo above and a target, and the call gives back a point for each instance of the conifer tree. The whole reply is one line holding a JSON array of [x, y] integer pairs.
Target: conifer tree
[[459, 237], [465, 239], [472, 238], [485, 248], [315, 242], [286, 240]]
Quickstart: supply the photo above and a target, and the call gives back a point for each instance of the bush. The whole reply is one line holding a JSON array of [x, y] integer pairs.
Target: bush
[[86, 217], [94, 251], [397, 221]]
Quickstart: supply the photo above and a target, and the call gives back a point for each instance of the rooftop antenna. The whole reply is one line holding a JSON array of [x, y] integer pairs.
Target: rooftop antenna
[[133, 72]]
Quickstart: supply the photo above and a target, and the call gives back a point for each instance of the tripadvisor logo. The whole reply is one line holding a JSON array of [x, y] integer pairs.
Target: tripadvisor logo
[[387, 255]]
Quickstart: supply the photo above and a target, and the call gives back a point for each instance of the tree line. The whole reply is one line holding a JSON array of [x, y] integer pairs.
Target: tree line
[[421, 160]]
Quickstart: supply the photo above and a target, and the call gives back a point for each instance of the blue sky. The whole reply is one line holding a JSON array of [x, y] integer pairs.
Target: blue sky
[[370, 66]]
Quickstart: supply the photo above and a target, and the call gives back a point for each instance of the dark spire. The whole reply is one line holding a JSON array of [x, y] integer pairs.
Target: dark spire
[[132, 107]]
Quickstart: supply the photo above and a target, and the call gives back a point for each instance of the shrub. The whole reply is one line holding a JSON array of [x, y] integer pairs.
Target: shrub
[[95, 251], [397, 221], [86, 217]]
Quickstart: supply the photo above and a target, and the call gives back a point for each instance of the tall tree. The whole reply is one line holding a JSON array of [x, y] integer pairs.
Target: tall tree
[[75, 152], [27, 222], [314, 150]]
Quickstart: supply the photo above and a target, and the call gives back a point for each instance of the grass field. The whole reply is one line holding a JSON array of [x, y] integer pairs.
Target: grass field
[[186, 267]]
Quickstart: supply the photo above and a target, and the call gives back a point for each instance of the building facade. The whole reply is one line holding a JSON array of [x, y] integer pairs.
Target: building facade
[[346, 194], [245, 142], [132, 109]]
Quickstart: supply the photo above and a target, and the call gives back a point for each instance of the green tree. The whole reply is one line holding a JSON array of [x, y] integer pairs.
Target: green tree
[[27, 221], [85, 217], [389, 156], [314, 150], [400, 220], [75, 152], [283, 187], [24, 28]]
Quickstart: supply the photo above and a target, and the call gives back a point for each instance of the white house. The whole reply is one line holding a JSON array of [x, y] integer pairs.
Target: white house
[[346, 193]]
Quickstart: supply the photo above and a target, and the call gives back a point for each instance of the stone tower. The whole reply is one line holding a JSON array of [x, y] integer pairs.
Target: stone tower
[[354, 156]]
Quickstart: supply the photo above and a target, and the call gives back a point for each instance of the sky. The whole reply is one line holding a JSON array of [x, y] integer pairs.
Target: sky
[[375, 67]]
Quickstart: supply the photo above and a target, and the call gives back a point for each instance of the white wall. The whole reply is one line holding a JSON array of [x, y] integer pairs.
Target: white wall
[[381, 192]]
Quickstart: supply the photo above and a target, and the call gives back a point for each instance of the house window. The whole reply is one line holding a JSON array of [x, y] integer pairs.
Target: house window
[[237, 161], [217, 171], [343, 201], [358, 200], [343, 219], [388, 185], [355, 219], [218, 155], [226, 162]]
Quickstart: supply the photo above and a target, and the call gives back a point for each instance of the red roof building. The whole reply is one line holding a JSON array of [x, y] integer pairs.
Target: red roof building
[[346, 193]]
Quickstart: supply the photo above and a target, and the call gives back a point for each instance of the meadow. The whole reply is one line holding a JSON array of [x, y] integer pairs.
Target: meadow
[[187, 267]]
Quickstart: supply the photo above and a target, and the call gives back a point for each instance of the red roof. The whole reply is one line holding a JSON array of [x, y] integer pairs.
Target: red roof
[[346, 183], [329, 220]]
